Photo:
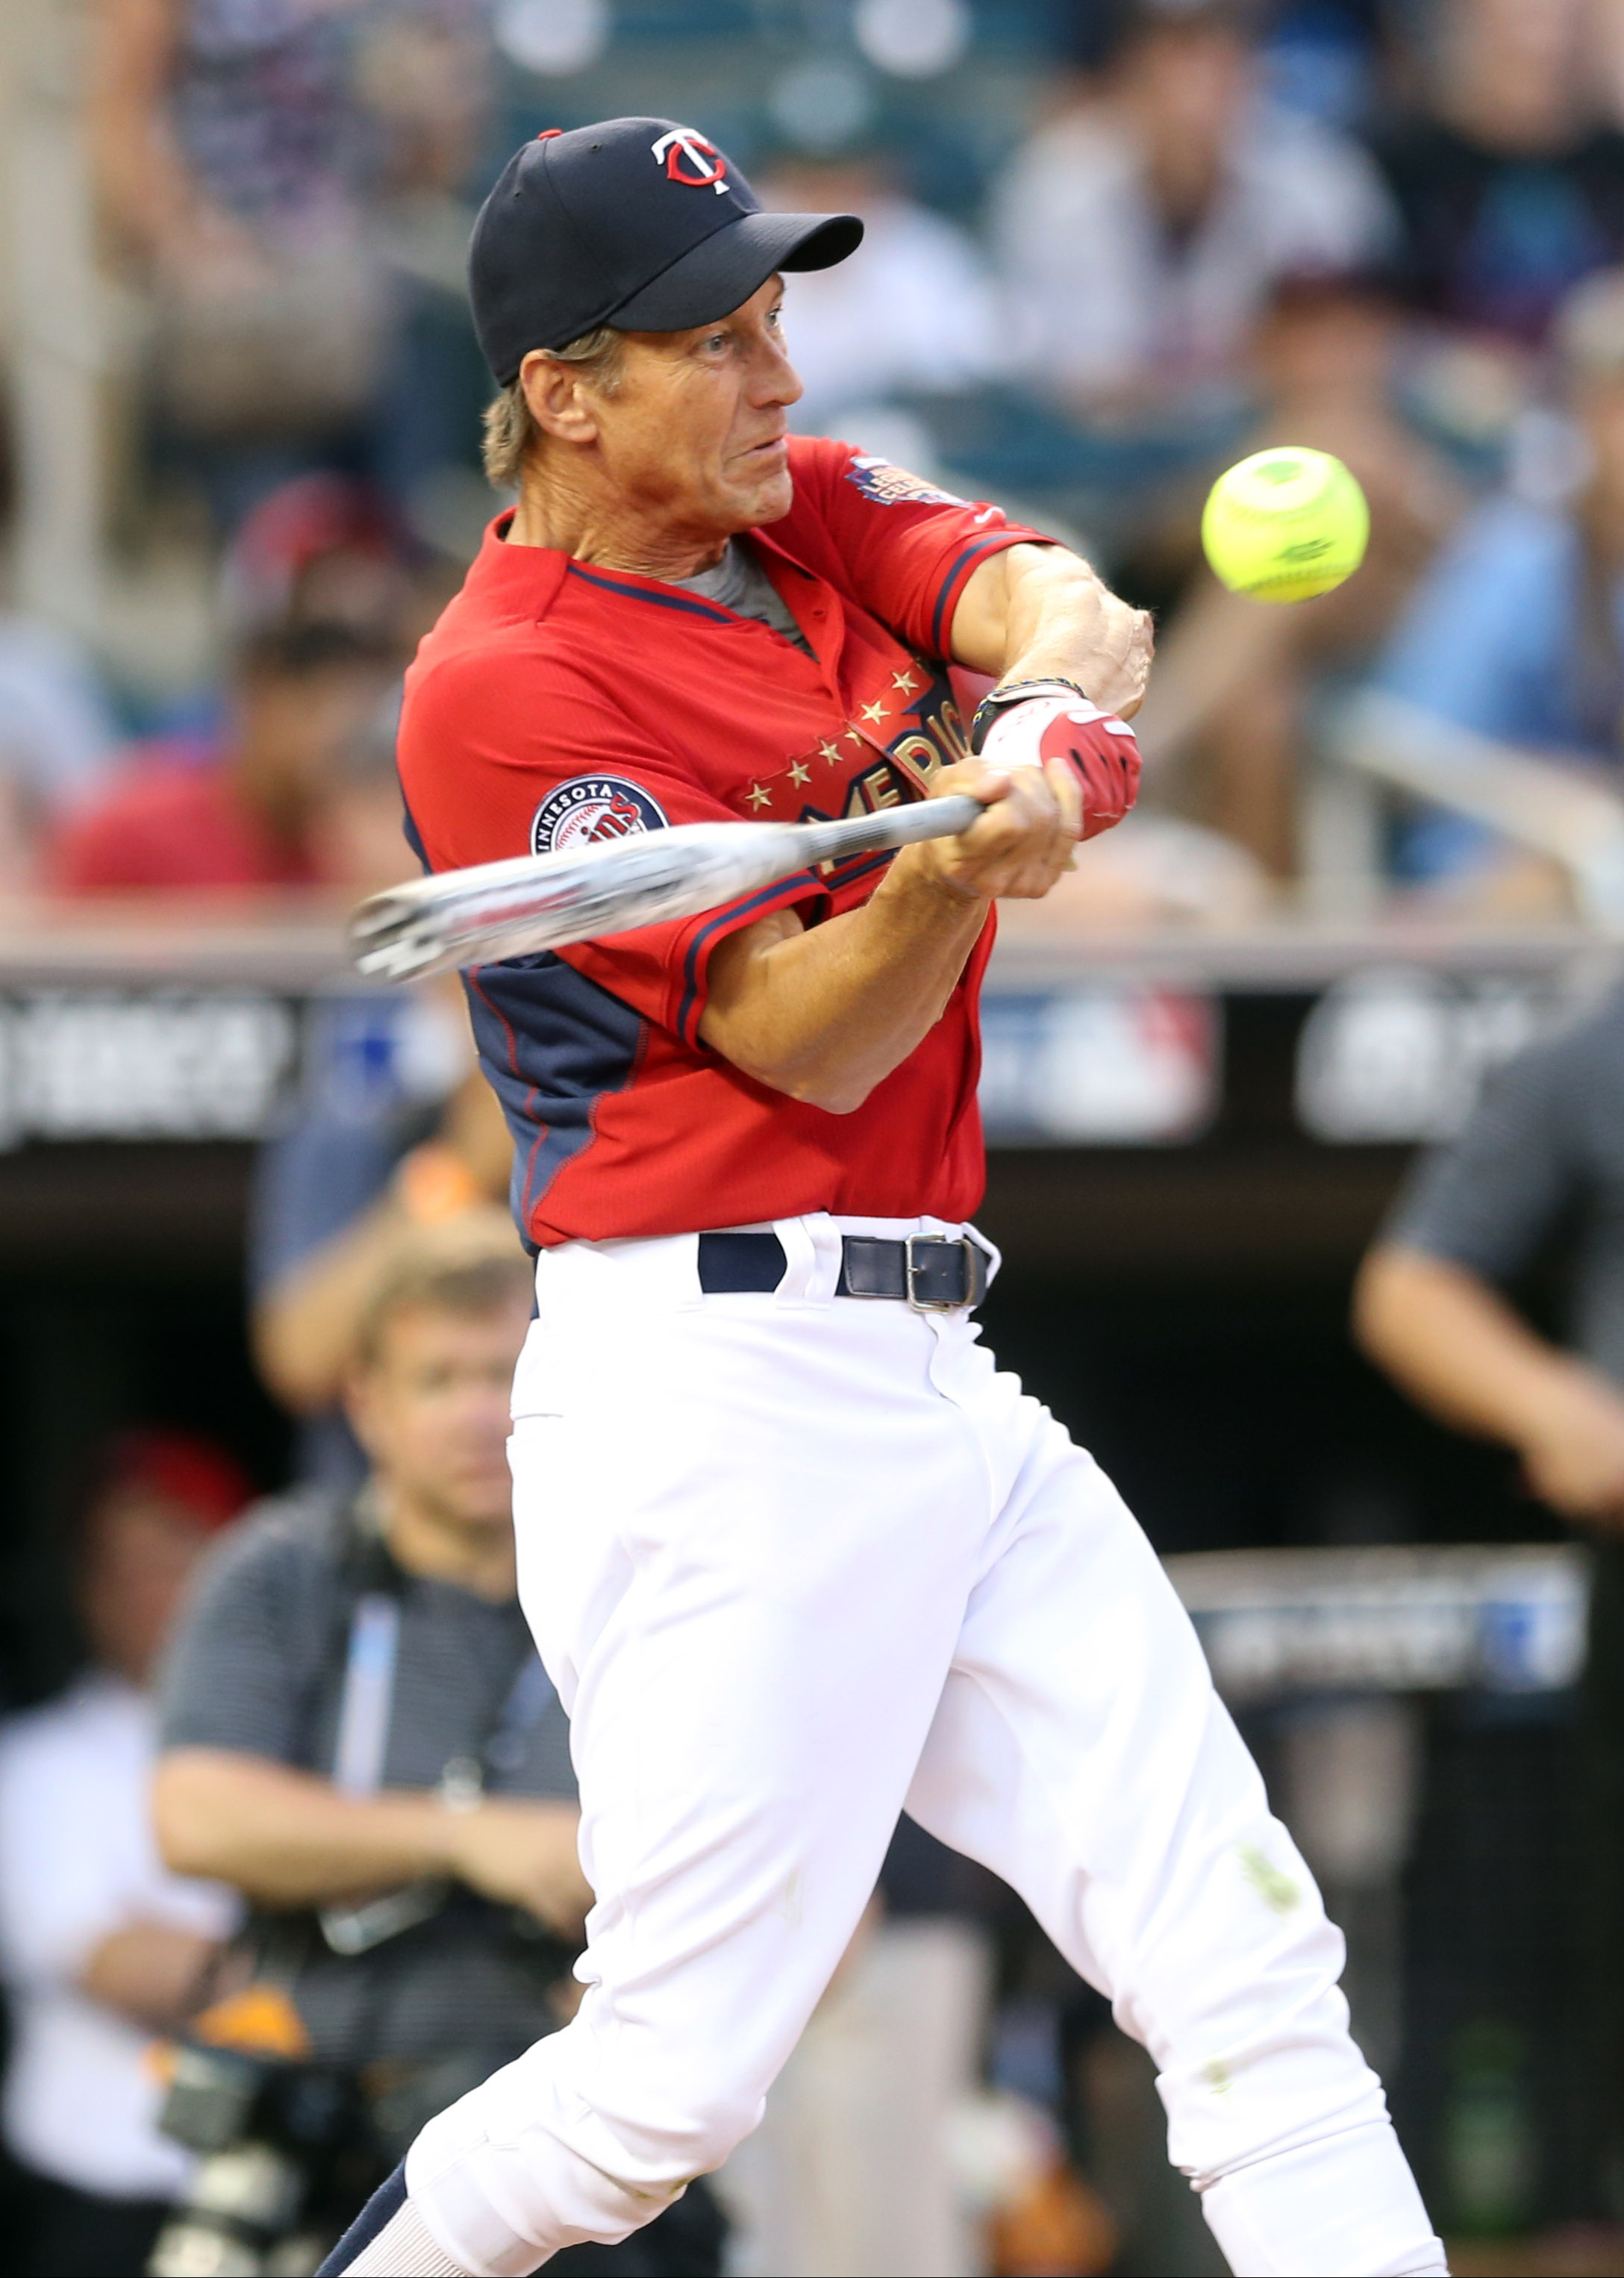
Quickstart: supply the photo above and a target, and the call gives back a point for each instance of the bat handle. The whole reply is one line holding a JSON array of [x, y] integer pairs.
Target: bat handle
[[892, 826], [931, 818]]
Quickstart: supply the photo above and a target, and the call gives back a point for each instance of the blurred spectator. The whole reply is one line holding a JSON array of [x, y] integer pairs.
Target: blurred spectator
[[241, 814], [279, 171], [1518, 630], [1141, 228], [393, 1129], [914, 309], [100, 1947], [1324, 56], [408, 1834], [850, 2169], [879, 2149], [1234, 677], [57, 742], [1541, 1161], [325, 549], [1509, 184]]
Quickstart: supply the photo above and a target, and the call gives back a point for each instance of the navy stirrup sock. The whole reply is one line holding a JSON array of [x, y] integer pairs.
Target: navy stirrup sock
[[385, 2203]]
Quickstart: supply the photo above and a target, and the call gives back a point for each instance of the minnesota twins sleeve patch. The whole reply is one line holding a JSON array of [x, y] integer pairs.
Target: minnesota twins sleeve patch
[[590, 809], [889, 485]]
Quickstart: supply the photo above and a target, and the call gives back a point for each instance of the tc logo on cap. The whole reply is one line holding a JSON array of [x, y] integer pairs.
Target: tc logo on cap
[[691, 160]]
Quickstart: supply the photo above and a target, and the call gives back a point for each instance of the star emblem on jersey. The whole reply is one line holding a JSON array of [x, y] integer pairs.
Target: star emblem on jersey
[[690, 159], [589, 809], [904, 682], [760, 797], [831, 752], [799, 774], [873, 711]]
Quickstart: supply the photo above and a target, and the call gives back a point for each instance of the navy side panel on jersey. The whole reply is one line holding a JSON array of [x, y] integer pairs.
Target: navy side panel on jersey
[[552, 1043]]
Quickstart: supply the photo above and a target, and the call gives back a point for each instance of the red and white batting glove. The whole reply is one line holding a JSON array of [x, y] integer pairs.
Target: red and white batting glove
[[1050, 720]]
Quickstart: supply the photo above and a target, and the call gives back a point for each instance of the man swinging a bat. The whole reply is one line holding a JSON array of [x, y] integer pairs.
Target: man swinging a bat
[[796, 1554]]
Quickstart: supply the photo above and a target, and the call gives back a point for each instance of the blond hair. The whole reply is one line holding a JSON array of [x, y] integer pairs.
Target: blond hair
[[510, 430], [473, 1267]]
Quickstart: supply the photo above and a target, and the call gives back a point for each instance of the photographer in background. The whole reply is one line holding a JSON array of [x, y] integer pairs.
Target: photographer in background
[[99, 1947], [241, 811], [357, 1734]]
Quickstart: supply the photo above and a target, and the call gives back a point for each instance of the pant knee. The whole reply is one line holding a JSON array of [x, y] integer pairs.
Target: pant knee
[[668, 2143], [541, 2155]]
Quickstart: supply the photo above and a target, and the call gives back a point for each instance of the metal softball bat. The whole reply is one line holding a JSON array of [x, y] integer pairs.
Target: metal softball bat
[[547, 901]]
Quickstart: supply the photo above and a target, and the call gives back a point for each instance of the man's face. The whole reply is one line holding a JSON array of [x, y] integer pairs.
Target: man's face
[[431, 1411], [1515, 67], [288, 729], [1191, 81], [693, 435], [139, 1551]]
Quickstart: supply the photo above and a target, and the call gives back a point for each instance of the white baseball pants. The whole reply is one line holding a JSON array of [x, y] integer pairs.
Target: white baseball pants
[[795, 1561]]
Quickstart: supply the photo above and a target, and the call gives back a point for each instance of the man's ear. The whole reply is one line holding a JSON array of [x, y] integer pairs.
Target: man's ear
[[560, 398], [355, 1398]]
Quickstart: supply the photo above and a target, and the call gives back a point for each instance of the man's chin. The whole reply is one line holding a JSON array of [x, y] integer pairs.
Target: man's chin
[[768, 498], [482, 1507]]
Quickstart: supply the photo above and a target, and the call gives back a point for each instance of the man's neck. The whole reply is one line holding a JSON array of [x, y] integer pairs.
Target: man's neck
[[256, 791], [610, 531], [477, 1558], [1184, 183]]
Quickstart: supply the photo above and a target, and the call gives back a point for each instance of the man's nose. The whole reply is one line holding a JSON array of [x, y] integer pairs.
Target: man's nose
[[777, 380]]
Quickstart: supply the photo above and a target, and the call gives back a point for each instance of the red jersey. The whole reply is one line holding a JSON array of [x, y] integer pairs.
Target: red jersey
[[557, 702], [170, 819]]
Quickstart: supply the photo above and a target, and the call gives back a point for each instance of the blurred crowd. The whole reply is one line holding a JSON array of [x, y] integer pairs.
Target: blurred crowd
[[1155, 235], [1103, 260]]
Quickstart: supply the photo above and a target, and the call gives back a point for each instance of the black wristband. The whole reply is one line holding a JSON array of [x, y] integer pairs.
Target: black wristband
[[1018, 691]]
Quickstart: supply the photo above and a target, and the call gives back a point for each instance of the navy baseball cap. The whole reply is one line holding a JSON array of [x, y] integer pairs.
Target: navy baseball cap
[[638, 223]]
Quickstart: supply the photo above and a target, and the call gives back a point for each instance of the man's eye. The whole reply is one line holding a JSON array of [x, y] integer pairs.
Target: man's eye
[[717, 341]]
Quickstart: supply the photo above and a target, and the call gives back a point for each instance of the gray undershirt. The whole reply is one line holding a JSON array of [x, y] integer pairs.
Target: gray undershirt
[[739, 582]]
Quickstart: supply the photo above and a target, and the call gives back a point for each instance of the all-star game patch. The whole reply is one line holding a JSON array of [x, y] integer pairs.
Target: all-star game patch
[[590, 809], [889, 485]]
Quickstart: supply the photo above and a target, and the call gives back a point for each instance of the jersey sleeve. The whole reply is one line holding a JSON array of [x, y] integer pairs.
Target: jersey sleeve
[[905, 549], [507, 765], [1488, 1199]]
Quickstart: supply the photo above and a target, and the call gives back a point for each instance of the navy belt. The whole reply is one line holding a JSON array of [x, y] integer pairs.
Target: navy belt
[[933, 1272]]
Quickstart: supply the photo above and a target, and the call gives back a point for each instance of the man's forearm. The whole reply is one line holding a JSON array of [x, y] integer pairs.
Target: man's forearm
[[145, 191], [1031, 612], [1455, 1345], [287, 1838], [1458, 1347], [826, 1015], [303, 1326], [147, 1971]]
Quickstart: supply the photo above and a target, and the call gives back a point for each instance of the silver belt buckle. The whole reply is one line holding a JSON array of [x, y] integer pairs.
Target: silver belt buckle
[[914, 1267]]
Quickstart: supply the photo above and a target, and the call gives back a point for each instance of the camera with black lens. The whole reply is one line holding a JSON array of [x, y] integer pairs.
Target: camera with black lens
[[284, 2154]]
